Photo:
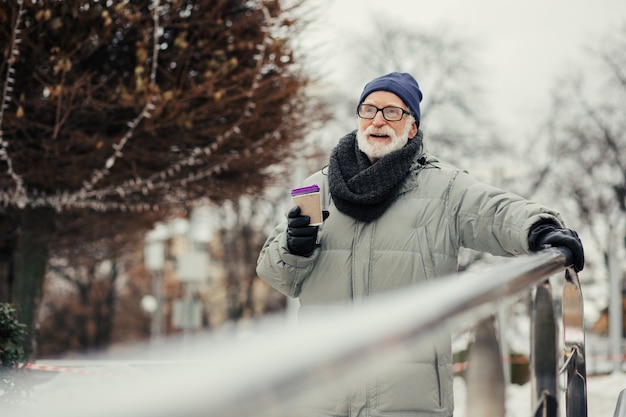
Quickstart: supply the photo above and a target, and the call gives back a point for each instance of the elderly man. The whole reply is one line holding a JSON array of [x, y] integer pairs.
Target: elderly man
[[397, 216]]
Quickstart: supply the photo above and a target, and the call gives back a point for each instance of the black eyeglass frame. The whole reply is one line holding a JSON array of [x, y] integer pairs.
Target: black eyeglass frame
[[382, 110]]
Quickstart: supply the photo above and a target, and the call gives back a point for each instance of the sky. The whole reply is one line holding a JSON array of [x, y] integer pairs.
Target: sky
[[523, 46]]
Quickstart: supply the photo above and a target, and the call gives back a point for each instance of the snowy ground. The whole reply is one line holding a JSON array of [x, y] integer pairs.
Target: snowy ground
[[66, 388], [602, 394], [602, 391]]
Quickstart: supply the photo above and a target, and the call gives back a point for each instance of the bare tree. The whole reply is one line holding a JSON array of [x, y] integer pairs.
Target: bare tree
[[84, 322], [587, 142], [239, 237]]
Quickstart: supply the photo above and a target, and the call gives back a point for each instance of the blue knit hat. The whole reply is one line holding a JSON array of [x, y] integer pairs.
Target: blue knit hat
[[401, 84]]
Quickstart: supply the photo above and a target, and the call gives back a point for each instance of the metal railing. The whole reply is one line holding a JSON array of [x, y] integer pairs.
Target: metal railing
[[274, 366]]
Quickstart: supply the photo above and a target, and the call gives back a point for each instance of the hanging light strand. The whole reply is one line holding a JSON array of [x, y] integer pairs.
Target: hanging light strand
[[18, 195], [98, 202], [162, 177], [95, 198], [192, 159], [146, 112]]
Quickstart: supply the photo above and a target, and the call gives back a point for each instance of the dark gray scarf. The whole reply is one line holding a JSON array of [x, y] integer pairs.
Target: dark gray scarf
[[362, 190]]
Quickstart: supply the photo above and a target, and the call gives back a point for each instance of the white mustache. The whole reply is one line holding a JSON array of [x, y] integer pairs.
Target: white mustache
[[384, 130]]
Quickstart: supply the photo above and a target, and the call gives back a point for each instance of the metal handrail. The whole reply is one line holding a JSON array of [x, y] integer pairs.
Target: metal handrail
[[277, 365]]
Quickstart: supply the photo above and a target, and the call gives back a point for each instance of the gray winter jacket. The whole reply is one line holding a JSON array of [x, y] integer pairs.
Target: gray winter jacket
[[438, 210]]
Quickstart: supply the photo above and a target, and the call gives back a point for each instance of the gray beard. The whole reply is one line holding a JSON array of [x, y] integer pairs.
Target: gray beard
[[376, 152]]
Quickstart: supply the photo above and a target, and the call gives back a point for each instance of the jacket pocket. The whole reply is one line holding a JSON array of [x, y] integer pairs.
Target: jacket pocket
[[329, 401], [410, 388]]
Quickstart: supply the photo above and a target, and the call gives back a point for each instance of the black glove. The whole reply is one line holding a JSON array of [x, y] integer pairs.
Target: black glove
[[548, 234], [301, 238]]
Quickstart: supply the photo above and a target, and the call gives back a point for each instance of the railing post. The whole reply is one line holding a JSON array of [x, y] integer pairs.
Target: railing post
[[543, 355], [620, 407], [485, 376], [616, 317], [574, 346]]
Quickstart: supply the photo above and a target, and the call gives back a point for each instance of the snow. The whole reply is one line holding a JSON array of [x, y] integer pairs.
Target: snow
[[602, 391], [602, 395]]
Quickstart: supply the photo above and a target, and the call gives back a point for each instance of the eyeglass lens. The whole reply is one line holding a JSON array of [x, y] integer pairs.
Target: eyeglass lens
[[390, 113]]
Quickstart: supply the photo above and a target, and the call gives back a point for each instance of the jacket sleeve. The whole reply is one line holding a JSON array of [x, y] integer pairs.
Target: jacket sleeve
[[492, 220], [279, 268]]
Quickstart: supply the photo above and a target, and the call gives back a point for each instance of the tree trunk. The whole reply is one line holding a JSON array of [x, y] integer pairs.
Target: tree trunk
[[106, 312], [31, 258], [9, 229]]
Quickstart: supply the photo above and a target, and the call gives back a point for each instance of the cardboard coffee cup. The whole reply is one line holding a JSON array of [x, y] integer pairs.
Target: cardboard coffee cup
[[310, 203]]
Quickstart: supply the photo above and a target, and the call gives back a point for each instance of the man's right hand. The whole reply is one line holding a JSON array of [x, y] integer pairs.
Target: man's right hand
[[301, 238]]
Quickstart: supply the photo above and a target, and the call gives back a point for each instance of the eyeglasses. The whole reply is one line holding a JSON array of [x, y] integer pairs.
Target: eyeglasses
[[390, 113]]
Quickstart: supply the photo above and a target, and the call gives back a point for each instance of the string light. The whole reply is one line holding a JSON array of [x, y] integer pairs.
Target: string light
[[144, 114], [18, 196], [91, 197]]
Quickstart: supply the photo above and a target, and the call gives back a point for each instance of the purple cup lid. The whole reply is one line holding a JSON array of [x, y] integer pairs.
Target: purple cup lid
[[305, 190]]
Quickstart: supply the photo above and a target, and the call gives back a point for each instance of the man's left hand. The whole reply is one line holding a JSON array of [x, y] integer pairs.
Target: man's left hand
[[553, 236]]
